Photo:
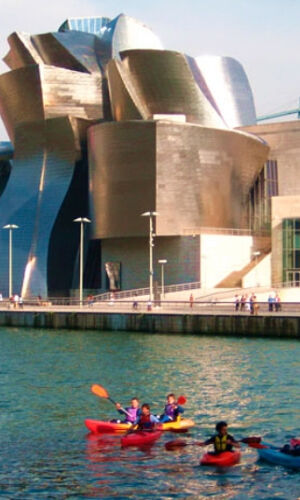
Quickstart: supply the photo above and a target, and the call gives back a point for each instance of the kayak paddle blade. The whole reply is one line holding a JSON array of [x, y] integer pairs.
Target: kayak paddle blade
[[181, 400], [98, 390], [176, 443], [251, 439], [258, 445]]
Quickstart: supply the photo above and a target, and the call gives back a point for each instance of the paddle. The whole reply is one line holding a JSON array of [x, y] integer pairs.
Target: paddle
[[98, 390], [258, 445], [181, 400], [180, 443]]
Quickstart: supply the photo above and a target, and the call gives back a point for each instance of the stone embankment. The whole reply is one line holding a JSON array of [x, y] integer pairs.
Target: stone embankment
[[217, 323]]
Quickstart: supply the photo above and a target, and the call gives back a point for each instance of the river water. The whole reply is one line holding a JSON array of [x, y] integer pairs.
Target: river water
[[45, 378]]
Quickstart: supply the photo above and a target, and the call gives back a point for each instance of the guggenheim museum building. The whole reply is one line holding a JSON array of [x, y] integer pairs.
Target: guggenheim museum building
[[105, 124]]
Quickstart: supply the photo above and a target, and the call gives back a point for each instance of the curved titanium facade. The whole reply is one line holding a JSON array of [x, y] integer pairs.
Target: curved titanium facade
[[229, 86], [39, 92], [161, 82], [45, 155], [193, 176], [125, 33], [22, 51]]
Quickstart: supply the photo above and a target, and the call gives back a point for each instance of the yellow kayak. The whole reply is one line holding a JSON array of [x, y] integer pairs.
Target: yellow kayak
[[182, 424]]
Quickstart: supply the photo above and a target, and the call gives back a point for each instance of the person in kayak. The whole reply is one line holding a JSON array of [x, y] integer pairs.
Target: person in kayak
[[145, 420], [131, 412], [292, 449], [222, 441], [172, 409]]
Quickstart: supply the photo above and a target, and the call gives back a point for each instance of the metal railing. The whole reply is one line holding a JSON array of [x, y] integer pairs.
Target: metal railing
[[202, 307], [193, 231], [145, 291]]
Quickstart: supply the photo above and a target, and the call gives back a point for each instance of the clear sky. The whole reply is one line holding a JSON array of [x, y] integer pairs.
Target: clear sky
[[263, 35]]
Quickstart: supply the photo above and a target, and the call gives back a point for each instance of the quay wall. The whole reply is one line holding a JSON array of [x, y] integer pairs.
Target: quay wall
[[206, 324]]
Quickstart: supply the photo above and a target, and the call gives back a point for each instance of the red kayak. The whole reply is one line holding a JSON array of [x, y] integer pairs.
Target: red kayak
[[100, 427], [140, 438], [223, 459]]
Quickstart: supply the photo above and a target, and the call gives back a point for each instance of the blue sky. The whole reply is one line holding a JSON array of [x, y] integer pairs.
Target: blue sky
[[262, 34]]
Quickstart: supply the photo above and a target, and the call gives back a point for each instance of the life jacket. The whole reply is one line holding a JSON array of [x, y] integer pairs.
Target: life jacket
[[145, 422], [220, 443], [133, 413], [170, 411]]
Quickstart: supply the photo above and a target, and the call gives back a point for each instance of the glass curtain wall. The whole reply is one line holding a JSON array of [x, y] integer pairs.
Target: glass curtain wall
[[291, 251], [264, 187]]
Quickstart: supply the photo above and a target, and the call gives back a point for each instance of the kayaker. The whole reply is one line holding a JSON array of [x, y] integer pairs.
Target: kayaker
[[293, 448], [131, 412], [222, 441], [172, 409], [146, 420]]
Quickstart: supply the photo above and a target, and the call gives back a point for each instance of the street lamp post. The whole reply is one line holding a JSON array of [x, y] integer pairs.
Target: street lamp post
[[82, 220], [162, 262], [10, 228], [151, 245]]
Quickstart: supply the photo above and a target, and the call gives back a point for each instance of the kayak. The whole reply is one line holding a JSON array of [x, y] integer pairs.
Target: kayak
[[223, 459], [182, 424], [273, 455], [102, 427], [140, 438]]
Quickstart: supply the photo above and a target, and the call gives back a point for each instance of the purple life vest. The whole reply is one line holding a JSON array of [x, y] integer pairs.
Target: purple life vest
[[169, 411], [133, 413]]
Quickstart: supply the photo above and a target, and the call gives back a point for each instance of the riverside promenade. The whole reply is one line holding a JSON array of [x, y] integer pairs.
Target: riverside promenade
[[168, 317]]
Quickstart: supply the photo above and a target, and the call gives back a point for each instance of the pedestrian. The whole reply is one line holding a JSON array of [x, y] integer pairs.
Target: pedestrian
[[21, 302], [149, 305], [277, 303], [252, 303], [135, 304], [270, 303], [237, 303], [191, 300], [16, 301], [255, 305], [243, 302]]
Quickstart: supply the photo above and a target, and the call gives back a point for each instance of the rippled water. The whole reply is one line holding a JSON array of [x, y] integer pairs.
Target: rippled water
[[45, 378]]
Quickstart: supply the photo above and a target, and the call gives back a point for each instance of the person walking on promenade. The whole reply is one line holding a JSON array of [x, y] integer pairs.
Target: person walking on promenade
[[237, 303], [270, 302], [243, 302], [191, 300], [277, 303], [252, 303]]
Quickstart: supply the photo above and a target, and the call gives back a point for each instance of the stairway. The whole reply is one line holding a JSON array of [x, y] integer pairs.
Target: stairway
[[235, 279]]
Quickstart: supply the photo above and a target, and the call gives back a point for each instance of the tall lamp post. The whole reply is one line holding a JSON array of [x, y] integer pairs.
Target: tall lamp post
[[82, 220], [10, 228], [162, 262], [151, 245]]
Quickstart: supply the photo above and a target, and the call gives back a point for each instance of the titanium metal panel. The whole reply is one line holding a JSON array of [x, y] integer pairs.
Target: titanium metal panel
[[125, 33], [121, 177], [229, 86], [193, 176], [122, 104], [22, 51], [161, 82], [45, 155], [34, 93], [203, 177]]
